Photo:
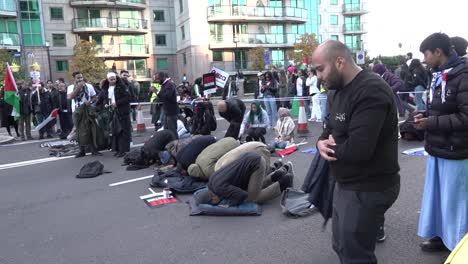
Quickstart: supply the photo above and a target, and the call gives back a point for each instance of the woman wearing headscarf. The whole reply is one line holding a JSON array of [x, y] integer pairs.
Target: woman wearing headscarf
[[255, 123], [284, 129]]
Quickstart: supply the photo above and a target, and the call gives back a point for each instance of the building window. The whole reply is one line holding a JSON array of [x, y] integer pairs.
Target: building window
[[61, 66], [353, 42], [162, 64], [277, 58], [56, 13], [31, 26], [334, 37], [160, 39], [217, 55], [158, 15], [333, 2], [182, 31], [184, 58], [181, 6], [334, 20], [58, 40]]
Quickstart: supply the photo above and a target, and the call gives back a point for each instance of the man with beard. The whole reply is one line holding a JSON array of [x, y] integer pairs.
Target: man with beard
[[168, 97], [360, 141]]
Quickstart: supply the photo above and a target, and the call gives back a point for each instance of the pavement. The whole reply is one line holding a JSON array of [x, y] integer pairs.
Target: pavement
[[49, 216]]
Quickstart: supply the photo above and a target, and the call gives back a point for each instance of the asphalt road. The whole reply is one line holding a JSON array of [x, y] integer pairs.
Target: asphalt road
[[49, 216]]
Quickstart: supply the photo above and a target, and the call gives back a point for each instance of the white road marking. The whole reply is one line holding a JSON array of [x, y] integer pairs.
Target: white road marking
[[44, 160], [29, 142], [129, 181]]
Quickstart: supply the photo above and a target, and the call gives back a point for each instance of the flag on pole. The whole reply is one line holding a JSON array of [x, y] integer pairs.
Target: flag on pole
[[11, 92], [51, 117]]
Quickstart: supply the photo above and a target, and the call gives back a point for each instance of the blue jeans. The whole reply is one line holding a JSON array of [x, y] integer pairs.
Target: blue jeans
[[307, 107], [271, 109], [418, 98], [280, 145], [47, 128], [323, 106]]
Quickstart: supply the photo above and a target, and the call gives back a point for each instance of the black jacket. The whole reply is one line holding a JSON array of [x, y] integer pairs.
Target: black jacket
[[363, 121], [204, 120], [26, 106], [168, 96], [189, 154], [235, 110], [447, 125], [121, 93], [45, 105], [417, 77], [232, 181]]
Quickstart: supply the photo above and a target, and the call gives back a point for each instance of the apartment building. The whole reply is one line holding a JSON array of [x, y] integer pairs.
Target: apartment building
[[343, 20], [237, 26]]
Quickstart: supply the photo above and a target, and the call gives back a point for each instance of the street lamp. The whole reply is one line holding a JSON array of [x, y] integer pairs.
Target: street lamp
[[15, 67]]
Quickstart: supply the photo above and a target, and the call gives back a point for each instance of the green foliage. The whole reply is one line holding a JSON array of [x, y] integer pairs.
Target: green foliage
[[5, 56], [391, 62], [256, 56], [304, 48], [86, 62]]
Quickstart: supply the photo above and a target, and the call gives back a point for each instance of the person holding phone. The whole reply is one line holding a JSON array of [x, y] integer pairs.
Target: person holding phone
[[444, 209]]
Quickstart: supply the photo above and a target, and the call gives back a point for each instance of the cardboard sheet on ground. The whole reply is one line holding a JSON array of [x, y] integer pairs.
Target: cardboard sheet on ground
[[199, 206], [415, 152]]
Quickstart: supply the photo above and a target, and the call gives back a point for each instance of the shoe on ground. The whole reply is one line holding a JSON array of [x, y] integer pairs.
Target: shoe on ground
[[434, 244], [278, 163], [50, 136], [81, 154], [41, 137], [120, 155], [97, 153], [286, 181], [30, 138], [381, 234], [311, 119], [116, 154], [289, 167]]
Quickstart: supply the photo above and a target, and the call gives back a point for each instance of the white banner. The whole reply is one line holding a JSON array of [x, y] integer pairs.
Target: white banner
[[221, 77]]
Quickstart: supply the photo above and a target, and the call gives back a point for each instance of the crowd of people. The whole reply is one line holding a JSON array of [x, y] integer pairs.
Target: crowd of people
[[359, 108]]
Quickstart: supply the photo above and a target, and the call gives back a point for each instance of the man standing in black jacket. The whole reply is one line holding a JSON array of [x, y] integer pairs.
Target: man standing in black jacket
[[168, 97], [233, 111], [360, 142], [124, 75]]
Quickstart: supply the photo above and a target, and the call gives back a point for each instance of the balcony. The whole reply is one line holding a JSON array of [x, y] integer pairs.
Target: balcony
[[227, 13], [123, 51], [253, 40], [354, 29], [7, 8], [355, 9], [10, 41], [126, 4], [110, 25], [140, 75]]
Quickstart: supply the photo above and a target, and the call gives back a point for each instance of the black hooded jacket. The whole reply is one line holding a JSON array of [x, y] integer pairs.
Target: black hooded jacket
[[447, 124], [121, 93]]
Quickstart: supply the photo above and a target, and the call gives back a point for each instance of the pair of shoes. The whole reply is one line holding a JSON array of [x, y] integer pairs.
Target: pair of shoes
[[41, 136], [49, 136], [81, 154], [433, 245], [286, 181], [289, 167], [96, 153], [23, 139], [120, 155], [116, 154], [381, 234], [30, 138], [311, 119]]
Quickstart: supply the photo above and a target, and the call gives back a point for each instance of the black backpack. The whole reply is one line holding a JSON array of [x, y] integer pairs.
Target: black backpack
[[91, 169]]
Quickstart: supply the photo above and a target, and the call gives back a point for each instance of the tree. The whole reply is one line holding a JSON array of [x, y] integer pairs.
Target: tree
[[304, 48], [85, 61], [5, 56], [256, 55]]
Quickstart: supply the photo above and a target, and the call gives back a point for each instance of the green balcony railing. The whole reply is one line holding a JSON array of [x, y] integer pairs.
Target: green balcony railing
[[128, 50], [225, 11], [106, 23], [355, 8], [255, 38], [118, 1], [9, 39], [8, 5], [353, 28]]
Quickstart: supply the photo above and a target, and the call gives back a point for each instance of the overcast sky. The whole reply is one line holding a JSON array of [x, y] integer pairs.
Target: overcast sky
[[390, 22]]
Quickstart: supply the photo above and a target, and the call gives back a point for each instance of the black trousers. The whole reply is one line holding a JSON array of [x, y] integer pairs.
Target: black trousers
[[356, 219], [233, 129], [66, 123], [256, 133], [171, 123], [121, 140]]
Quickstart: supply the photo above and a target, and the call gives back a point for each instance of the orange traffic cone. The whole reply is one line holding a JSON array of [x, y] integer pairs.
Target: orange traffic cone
[[141, 127], [302, 125]]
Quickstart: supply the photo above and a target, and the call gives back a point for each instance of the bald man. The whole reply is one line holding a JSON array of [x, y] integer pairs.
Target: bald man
[[233, 111], [360, 142]]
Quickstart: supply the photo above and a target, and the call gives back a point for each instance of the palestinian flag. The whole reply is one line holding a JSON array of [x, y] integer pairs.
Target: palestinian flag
[[11, 92], [46, 121]]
